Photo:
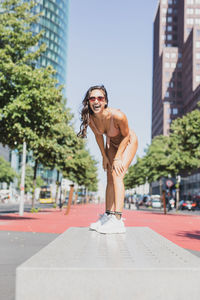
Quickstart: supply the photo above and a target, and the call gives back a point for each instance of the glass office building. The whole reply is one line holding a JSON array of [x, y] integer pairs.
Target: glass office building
[[54, 22]]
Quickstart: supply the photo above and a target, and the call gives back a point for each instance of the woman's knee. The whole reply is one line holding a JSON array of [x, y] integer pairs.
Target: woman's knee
[[117, 178], [109, 178]]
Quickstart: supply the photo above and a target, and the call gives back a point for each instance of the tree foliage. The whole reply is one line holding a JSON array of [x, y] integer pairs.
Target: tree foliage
[[7, 174], [169, 155]]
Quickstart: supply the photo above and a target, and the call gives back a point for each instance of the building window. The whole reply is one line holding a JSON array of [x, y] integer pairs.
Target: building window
[[197, 21], [179, 75], [190, 21], [198, 44], [169, 1], [179, 65], [163, 37], [190, 1], [167, 74], [164, 1], [163, 19], [179, 84], [169, 28], [173, 55], [198, 55], [167, 94], [198, 78], [197, 11], [175, 111], [190, 11], [179, 94], [197, 1], [167, 65], [169, 37], [171, 84], [179, 55], [173, 65], [198, 33], [169, 19], [164, 10], [169, 121], [173, 94], [198, 66], [169, 11], [169, 111], [167, 54]]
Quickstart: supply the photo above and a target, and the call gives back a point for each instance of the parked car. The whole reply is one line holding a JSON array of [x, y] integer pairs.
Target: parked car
[[187, 204], [156, 203], [148, 201]]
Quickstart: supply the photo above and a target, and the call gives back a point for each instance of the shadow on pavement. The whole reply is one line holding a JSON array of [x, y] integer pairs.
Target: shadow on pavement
[[15, 218], [192, 235]]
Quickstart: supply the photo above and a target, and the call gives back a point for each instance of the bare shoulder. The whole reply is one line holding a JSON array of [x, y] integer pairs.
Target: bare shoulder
[[118, 114]]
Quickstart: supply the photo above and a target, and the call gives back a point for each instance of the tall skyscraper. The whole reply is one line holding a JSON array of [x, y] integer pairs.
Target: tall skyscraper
[[176, 69], [54, 22], [176, 62]]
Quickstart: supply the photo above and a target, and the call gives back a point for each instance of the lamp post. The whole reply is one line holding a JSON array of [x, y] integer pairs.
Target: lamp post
[[178, 180], [21, 204]]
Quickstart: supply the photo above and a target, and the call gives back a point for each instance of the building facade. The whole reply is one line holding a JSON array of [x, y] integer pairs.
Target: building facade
[[176, 62], [176, 68], [54, 23]]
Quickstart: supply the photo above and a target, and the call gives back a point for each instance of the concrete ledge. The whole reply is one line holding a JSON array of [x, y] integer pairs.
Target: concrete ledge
[[84, 265]]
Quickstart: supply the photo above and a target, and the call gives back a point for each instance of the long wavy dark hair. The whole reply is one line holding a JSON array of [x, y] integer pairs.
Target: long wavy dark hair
[[86, 110]]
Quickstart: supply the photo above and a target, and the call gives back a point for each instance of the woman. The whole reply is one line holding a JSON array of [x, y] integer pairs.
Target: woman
[[117, 153]]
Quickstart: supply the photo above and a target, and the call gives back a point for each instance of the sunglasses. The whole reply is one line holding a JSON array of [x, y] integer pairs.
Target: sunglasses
[[99, 98]]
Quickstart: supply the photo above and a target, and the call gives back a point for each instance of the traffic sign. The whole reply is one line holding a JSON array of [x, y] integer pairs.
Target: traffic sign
[[169, 183]]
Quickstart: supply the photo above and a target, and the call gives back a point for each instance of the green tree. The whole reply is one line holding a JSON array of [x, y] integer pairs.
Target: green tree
[[185, 137], [137, 174], [7, 174], [29, 180]]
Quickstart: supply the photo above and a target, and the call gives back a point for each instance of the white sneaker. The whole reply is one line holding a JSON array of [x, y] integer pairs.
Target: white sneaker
[[113, 225], [102, 219]]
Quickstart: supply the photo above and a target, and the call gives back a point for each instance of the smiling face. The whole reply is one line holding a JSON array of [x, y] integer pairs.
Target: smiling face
[[97, 101]]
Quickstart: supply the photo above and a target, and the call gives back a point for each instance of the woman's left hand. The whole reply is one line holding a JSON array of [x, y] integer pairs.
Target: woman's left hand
[[118, 167]]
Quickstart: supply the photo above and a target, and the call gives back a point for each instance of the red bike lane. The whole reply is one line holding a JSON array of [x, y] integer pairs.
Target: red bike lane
[[183, 230]]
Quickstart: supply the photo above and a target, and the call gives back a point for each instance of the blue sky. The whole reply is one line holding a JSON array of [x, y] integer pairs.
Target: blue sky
[[110, 42]]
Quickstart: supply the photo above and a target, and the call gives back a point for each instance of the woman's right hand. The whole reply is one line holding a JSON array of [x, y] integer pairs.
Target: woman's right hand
[[106, 163]]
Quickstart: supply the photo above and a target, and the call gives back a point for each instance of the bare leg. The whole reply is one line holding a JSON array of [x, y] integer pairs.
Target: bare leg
[[110, 193], [127, 158]]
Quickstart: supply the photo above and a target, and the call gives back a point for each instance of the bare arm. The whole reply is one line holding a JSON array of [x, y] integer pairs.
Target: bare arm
[[100, 142]]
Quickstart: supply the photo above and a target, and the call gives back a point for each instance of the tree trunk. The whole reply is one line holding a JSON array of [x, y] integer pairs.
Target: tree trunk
[[164, 202], [21, 204], [70, 198], [34, 182]]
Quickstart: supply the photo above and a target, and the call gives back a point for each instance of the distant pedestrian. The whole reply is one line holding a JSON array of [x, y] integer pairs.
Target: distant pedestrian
[[117, 153]]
